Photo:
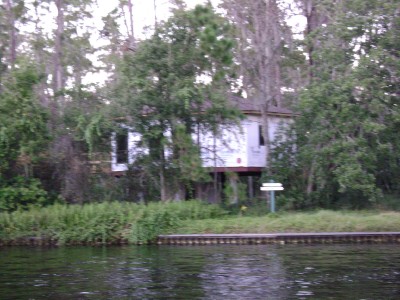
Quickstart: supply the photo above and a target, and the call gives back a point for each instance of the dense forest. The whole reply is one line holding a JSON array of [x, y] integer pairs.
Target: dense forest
[[339, 72]]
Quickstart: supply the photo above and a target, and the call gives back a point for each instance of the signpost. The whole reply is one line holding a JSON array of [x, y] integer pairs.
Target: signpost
[[272, 187]]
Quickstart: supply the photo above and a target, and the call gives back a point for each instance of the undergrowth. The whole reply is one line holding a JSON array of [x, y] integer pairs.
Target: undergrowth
[[123, 222], [101, 223]]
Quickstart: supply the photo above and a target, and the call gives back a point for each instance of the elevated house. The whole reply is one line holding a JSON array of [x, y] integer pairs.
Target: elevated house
[[238, 153]]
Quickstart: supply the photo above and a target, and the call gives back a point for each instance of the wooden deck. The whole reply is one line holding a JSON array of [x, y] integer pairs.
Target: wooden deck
[[281, 238]]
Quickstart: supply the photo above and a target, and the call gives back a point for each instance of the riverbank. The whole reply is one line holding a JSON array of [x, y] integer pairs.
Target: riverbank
[[297, 222], [100, 223], [129, 223]]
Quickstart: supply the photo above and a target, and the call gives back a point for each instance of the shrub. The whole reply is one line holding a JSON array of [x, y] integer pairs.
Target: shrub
[[102, 223], [21, 194]]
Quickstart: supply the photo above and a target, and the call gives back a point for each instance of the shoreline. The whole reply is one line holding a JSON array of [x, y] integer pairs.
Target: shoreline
[[115, 223], [311, 238], [282, 238]]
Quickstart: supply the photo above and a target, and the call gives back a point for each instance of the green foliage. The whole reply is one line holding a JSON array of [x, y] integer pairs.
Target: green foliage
[[102, 223], [188, 159], [342, 150], [152, 224], [161, 97], [94, 129], [22, 193], [23, 131], [285, 168], [123, 222], [23, 138], [161, 218], [235, 191], [389, 202], [250, 208]]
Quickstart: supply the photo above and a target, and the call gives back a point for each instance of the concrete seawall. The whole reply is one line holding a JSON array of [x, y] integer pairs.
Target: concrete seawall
[[281, 238]]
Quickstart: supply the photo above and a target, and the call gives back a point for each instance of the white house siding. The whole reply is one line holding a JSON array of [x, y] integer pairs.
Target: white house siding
[[275, 124], [239, 146], [236, 146], [226, 150], [255, 151]]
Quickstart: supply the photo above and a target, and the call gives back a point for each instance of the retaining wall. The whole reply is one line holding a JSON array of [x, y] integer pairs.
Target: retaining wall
[[281, 238]]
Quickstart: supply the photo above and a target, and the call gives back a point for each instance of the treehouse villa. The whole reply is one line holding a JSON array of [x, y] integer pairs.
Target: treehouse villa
[[238, 154]]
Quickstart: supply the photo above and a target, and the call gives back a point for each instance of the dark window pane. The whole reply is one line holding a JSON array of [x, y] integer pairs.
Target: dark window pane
[[122, 147], [260, 136]]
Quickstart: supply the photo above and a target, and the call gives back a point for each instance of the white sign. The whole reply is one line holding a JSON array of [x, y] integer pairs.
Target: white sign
[[272, 188], [272, 184]]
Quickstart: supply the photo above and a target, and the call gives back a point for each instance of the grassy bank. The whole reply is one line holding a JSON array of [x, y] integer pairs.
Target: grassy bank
[[301, 222], [101, 223], [116, 222]]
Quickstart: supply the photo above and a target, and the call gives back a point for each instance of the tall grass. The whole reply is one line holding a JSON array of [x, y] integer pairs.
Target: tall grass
[[318, 221], [101, 223], [122, 222]]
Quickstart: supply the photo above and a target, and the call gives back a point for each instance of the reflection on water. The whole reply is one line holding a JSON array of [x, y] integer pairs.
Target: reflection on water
[[204, 272]]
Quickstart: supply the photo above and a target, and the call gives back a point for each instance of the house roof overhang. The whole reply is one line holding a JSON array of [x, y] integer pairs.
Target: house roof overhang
[[252, 106], [236, 169]]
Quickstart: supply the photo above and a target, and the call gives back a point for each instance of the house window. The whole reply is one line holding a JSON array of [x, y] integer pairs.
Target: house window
[[261, 141], [122, 147]]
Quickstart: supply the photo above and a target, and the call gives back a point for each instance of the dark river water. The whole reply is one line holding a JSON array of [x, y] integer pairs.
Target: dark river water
[[203, 272]]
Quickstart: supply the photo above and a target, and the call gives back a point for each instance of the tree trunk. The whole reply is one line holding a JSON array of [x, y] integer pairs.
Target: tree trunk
[[234, 185], [58, 80], [215, 175], [40, 62], [129, 27], [259, 28], [11, 34], [163, 187], [314, 20], [250, 184], [132, 32], [155, 13], [310, 179]]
